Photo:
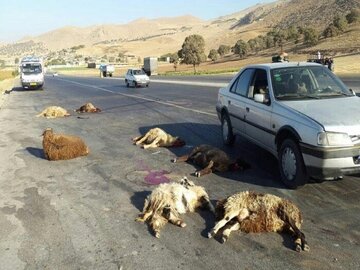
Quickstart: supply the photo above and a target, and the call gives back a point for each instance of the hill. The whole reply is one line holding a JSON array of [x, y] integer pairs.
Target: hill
[[145, 37]]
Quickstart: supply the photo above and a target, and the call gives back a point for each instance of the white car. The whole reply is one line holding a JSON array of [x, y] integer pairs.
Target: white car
[[301, 113], [136, 77]]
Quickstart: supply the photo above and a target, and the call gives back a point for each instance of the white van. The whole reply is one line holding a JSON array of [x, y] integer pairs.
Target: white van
[[31, 73]]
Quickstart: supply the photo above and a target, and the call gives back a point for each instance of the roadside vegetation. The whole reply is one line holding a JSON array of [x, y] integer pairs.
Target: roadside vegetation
[[197, 57], [295, 39]]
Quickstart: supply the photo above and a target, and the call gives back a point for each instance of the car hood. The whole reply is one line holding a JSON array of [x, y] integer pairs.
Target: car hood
[[334, 114], [141, 77]]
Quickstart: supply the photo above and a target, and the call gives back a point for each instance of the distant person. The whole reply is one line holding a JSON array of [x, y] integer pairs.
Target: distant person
[[318, 55], [330, 64]]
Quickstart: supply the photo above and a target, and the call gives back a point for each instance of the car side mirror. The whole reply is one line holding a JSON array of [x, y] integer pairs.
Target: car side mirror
[[352, 92], [262, 98]]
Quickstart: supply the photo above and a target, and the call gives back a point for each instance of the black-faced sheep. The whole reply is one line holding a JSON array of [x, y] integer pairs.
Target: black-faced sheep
[[211, 159], [88, 108], [156, 137], [252, 212], [62, 147], [54, 112], [168, 201]]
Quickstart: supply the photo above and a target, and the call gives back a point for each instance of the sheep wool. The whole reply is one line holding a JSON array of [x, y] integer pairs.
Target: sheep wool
[[63, 147]]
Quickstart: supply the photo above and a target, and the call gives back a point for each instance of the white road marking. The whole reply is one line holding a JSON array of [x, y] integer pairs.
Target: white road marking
[[141, 97], [210, 84]]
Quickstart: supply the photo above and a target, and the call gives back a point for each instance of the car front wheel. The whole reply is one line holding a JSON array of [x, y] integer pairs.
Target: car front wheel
[[227, 131], [291, 164]]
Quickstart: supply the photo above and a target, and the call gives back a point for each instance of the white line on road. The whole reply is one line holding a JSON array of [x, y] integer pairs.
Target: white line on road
[[210, 84], [140, 97]]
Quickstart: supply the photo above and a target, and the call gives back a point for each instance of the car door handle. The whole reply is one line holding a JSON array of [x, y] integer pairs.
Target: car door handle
[[247, 109]]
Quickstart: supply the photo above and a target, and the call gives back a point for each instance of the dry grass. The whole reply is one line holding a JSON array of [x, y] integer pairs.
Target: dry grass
[[7, 84], [346, 64], [6, 74]]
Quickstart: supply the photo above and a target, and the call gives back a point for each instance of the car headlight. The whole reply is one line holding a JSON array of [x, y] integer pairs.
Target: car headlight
[[334, 139]]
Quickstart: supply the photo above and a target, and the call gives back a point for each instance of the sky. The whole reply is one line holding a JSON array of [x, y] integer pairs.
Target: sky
[[19, 18]]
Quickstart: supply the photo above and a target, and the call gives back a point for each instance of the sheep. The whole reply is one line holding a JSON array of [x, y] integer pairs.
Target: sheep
[[253, 212], [156, 137], [168, 201], [211, 159], [62, 147], [88, 108], [53, 112]]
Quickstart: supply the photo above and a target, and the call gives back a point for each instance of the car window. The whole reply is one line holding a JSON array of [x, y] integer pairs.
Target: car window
[[138, 72], [304, 82], [241, 85], [259, 84]]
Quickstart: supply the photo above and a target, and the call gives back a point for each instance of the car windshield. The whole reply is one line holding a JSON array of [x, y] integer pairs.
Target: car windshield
[[31, 68], [138, 72], [306, 82]]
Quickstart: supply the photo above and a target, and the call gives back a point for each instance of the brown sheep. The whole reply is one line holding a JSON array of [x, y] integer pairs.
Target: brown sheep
[[88, 108], [62, 147], [211, 159], [253, 212], [168, 201], [54, 112], [156, 137]]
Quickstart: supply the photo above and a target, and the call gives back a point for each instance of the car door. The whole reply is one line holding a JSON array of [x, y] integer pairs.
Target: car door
[[237, 93], [257, 116]]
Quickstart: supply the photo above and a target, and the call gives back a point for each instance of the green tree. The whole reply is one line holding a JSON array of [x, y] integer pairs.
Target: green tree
[[340, 23], [240, 48], [213, 55], [174, 58], [311, 37], [331, 31], [292, 34], [353, 16], [252, 43], [192, 51], [279, 38], [223, 49], [269, 41], [260, 43]]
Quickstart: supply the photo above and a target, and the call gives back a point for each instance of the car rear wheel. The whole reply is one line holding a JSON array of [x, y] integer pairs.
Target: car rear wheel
[[227, 131], [291, 164]]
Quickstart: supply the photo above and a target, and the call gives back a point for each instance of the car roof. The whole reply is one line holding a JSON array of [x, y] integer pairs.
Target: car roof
[[282, 65]]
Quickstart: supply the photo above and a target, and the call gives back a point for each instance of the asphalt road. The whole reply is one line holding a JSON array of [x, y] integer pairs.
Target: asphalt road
[[79, 214]]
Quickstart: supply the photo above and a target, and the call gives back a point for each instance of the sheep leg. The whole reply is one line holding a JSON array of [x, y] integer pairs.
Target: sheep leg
[[230, 227], [181, 159], [244, 213], [206, 170], [146, 213], [206, 204], [144, 138], [157, 223], [153, 144], [187, 157], [135, 139], [300, 242], [173, 219]]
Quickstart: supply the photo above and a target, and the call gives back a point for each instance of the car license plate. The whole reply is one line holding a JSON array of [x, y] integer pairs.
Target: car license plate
[[33, 84]]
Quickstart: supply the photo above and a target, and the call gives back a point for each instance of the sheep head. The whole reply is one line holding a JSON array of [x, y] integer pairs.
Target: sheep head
[[178, 142]]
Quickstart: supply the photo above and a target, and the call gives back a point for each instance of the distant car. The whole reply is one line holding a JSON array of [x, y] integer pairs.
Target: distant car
[[136, 77], [55, 74], [301, 113]]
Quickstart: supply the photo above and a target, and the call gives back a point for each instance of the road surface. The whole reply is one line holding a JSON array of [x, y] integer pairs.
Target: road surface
[[79, 214]]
